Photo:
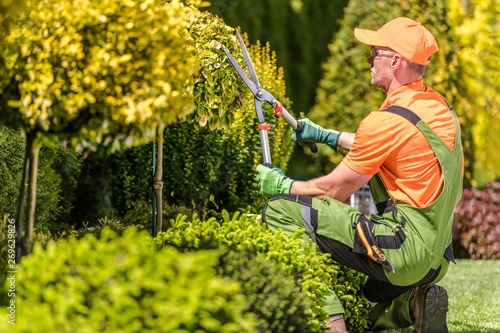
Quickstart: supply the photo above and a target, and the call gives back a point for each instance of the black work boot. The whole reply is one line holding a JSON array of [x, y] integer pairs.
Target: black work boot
[[428, 306]]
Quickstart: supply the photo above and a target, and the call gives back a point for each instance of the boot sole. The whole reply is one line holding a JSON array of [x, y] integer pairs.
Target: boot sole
[[435, 309]]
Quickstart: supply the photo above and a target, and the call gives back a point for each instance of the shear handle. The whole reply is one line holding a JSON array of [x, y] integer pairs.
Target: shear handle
[[280, 111]]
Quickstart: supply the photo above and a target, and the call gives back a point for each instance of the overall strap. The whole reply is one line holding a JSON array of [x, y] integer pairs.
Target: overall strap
[[405, 113], [417, 121]]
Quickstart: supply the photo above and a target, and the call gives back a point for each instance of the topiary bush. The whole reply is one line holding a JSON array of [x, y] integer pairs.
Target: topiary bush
[[207, 168], [313, 271], [271, 294], [476, 228], [123, 284], [210, 157]]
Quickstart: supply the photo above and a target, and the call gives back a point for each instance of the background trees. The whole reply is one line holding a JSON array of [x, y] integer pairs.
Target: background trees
[[297, 30], [475, 25]]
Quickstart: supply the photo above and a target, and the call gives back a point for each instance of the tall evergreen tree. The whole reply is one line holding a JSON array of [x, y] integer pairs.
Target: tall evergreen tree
[[297, 30]]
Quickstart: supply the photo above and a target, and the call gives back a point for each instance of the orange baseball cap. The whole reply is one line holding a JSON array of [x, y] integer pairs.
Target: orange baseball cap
[[404, 36]]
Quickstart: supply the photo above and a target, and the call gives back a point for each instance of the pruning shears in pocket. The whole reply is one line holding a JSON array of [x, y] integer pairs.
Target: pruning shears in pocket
[[262, 95]]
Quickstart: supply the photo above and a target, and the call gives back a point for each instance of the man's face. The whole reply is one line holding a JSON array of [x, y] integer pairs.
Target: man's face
[[380, 66]]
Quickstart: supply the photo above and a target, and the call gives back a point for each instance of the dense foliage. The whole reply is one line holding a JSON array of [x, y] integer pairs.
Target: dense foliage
[[313, 271], [203, 168], [476, 229], [96, 72], [115, 280], [121, 284], [271, 294], [475, 27]]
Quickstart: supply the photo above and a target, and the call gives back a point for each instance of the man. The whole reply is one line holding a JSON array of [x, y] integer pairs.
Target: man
[[411, 154]]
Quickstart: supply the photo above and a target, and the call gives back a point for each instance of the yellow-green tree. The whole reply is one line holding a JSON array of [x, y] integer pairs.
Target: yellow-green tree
[[478, 33], [209, 158], [93, 72]]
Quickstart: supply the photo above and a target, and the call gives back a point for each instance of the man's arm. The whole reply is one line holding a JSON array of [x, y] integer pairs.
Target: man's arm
[[346, 140], [338, 184]]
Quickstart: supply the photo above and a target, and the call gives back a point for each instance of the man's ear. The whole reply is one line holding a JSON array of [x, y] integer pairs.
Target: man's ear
[[396, 61]]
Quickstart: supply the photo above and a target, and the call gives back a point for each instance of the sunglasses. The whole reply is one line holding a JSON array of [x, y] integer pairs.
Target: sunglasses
[[378, 52]]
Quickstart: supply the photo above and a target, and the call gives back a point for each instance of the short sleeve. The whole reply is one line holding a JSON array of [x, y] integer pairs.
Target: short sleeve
[[372, 145]]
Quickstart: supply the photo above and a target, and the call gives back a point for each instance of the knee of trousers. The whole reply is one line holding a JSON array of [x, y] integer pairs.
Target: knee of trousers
[[285, 211]]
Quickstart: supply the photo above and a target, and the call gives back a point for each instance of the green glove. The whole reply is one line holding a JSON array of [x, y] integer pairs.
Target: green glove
[[272, 181], [312, 132]]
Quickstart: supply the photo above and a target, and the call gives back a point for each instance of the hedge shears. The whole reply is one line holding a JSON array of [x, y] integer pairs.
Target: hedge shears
[[262, 95]]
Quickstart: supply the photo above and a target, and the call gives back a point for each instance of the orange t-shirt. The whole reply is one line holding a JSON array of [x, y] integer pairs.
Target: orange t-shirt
[[389, 144]]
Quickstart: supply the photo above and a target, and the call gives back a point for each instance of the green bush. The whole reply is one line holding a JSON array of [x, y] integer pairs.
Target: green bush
[[313, 271], [122, 284], [271, 294]]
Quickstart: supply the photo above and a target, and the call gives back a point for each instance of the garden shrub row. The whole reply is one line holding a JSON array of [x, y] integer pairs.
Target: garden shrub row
[[112, 277], [97, 279], [122, 284], [313, 271]]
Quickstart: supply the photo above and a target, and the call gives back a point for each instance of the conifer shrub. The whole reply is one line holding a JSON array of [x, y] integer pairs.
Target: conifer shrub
[[314, 272], [476, 229], [123, 284], [271, 294]]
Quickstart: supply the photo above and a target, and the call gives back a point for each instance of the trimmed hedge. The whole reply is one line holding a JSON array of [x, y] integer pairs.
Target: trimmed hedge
[[271, 294], [122, 284], [313, 271], [476, 230]]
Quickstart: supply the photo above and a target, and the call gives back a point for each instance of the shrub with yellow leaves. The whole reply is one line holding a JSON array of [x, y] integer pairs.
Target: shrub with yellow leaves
[[97, 72]]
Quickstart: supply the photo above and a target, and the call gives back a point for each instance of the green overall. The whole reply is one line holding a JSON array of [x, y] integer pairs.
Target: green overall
[[417, 241]]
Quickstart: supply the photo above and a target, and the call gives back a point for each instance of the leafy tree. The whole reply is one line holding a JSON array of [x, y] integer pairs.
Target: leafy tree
[[477, 32], [93, 72], [345, 95], [204, 168]]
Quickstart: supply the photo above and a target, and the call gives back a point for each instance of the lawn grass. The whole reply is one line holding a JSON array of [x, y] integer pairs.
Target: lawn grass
[[474, 296]]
